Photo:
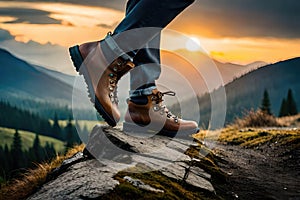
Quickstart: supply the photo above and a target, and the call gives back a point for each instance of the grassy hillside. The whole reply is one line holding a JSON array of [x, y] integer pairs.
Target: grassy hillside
[[89, 124], [6, 137]]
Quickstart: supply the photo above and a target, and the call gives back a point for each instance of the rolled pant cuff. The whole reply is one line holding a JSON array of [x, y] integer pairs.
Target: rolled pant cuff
[[141, 92]]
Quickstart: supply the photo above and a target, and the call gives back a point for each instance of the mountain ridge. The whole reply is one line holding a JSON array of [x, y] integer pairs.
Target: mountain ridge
[[246, 92], [47, 81], [21, 77]]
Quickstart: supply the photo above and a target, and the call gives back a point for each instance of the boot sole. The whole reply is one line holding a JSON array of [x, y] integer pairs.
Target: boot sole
[[78, 62], [140, 129]]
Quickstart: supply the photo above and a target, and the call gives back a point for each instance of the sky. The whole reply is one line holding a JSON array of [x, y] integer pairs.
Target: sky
[[237, 31]]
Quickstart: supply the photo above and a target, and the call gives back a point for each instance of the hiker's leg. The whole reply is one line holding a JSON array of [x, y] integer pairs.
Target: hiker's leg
[[139, 14]]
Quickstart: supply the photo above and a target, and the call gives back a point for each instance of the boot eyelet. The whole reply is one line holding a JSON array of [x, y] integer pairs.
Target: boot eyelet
[[156, 108], [115, 69], [111, 95], [111, 75], [111, 88], [111, 81], [176, 120], [119, 63]]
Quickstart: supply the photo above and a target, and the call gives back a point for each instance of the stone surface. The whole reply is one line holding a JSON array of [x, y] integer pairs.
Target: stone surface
[[198, 178], [89, 179], [140, 184], [117, 151]]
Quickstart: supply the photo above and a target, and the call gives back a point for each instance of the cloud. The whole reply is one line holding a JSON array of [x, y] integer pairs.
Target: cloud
[[212, 18], [220, 18], [244, 18], [114, 4], [5, 35], [108, 26], [54, 57], [31, 16], [234, 18]]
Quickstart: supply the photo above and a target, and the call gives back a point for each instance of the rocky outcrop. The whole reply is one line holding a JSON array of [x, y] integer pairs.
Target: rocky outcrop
[[111, 151]]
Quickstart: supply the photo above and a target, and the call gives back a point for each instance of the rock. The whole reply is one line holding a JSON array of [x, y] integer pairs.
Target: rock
[[89, 179], [140, 184], [198, 178], [112, 151], [76, 158], [191, 175], [175, 171]]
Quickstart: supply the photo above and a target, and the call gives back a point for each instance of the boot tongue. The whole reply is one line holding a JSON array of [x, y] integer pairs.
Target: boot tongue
[[127, 66], [157, 96], [120, 67]]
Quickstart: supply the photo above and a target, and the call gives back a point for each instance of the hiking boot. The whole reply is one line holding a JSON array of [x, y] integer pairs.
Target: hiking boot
[[155, 118], [101, 78]]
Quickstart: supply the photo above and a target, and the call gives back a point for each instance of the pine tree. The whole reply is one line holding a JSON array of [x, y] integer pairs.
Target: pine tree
[[37, 149], [49, 151], [85, 134], [283, 108], [16, 151], [266, 104], [56, 128], [2, 157], [7, 159], [69, 134], [291, 104]]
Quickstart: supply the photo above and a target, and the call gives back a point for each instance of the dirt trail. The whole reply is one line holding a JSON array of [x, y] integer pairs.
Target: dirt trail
[[266, 172]]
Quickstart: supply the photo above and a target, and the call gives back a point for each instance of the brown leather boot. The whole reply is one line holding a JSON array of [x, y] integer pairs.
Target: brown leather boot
[[101, 78], [155, 118]]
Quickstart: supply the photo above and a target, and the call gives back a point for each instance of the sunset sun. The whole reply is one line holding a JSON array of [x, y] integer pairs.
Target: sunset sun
[[193, 44]]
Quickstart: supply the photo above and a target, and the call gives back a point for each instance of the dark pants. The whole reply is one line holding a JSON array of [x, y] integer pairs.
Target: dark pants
[[156, 15]]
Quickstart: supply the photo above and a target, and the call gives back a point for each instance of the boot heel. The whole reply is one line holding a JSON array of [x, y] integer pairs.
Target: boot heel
[[76, 57]]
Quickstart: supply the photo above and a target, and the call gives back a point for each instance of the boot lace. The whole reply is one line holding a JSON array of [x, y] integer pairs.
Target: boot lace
[[114, 77], [159, 107]]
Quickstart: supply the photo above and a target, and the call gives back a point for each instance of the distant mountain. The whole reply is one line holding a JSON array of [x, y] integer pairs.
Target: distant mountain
[[230, 71], [36, 88], [255, 65], [21, 79], [177, 69], [65, 78], [246, 92], [23, 82]]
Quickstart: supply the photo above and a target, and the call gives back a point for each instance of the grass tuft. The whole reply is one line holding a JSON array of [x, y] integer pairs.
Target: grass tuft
[[33, 179], [256, 119], [290, 121]]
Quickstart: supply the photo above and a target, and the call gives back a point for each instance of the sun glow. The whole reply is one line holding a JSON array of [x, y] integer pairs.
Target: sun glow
[[193, 44], [79, 24]]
